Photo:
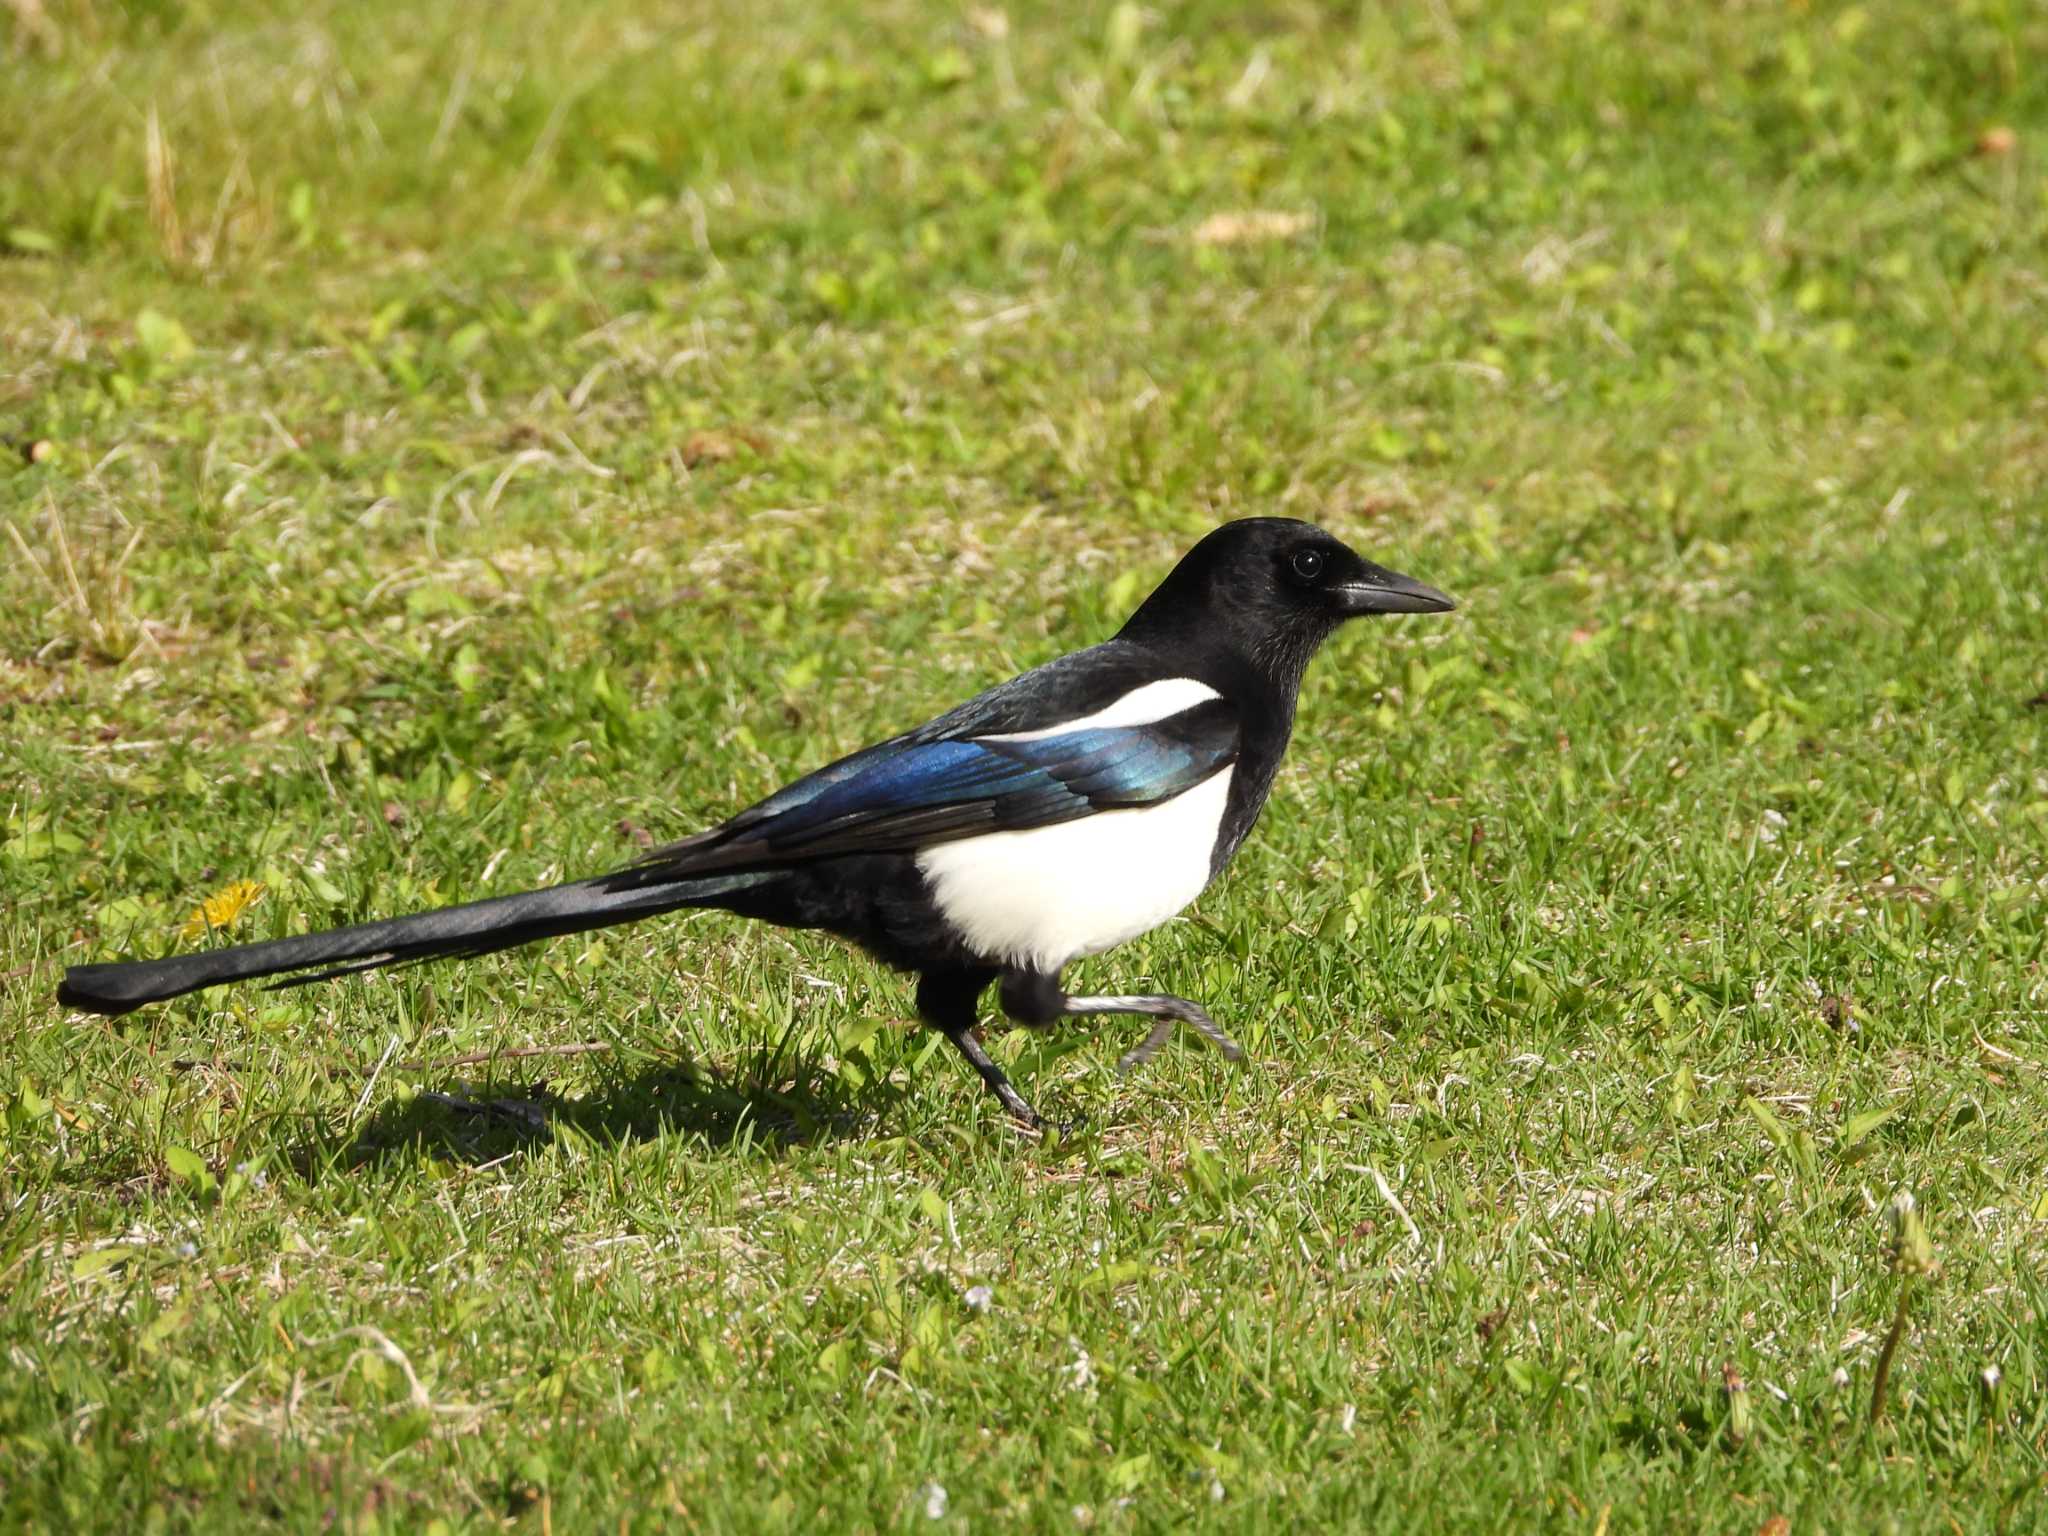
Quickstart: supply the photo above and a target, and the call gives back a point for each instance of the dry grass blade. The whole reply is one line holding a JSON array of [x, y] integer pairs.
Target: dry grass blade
[[380, 1345], [1250, 227], [32, 23], [161, 174]]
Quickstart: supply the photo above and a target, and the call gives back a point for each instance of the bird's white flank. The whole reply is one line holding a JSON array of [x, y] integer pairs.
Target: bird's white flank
[[1046, 895]]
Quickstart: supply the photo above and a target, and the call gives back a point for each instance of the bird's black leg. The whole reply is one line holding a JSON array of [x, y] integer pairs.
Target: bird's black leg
[[1034, 998], [946, 1001]]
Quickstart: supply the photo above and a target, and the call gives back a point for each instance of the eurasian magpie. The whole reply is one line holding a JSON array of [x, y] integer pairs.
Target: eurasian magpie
[[1054, 816]]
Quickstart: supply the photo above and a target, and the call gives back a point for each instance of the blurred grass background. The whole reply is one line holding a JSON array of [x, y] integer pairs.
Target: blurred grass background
[[442, 449]]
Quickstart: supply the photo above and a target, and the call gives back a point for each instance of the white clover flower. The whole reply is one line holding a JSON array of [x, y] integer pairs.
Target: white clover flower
[[1081, 1374], [979, 1298], [935, 1500]]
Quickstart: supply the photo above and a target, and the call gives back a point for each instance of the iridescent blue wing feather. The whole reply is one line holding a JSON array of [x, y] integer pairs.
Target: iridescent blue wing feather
[[934, 791], [913, 792]]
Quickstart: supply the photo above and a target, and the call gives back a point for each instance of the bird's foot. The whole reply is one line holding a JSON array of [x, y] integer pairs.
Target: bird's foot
[[1030, 1124], [967, 1040], [1169, 1011], [1145, 1049]]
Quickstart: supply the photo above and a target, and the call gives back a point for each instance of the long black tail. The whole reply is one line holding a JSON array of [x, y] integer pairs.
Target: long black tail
[[476, 928]]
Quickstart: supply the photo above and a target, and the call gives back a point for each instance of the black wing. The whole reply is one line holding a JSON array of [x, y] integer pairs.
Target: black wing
[[915, 791]]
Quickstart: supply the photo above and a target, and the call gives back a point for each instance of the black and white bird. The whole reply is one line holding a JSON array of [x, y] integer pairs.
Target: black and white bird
[[1054, 816]]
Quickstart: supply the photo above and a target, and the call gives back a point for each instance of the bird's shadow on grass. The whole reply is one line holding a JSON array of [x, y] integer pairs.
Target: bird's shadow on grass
[[767, 1104]]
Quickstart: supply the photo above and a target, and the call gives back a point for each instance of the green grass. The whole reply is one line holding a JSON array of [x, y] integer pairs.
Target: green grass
[[470, 434]]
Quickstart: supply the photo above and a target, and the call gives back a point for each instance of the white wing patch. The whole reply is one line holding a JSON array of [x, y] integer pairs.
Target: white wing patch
[[1044, 896], [1141, 706]]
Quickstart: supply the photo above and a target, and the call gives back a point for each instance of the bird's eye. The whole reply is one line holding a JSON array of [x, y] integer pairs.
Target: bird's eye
[[1308, 564]]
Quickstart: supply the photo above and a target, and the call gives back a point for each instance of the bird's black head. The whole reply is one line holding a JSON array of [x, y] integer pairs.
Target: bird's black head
[[1269, 590]]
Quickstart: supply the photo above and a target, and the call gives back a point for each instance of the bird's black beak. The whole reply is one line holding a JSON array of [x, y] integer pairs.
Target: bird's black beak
[[1379, 590]]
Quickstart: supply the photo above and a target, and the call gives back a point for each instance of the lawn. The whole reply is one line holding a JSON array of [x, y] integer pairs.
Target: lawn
[[448, 447]]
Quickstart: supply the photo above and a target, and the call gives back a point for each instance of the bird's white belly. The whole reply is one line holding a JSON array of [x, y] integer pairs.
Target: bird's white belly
[[1044, 896]]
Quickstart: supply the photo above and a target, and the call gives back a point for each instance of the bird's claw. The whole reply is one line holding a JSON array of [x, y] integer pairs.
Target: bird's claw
[[1162, 1031], [1145, 1049], [1036, 1127]]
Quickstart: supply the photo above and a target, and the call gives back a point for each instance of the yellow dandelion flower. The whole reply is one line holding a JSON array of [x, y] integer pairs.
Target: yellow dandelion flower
[[219, 912]]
